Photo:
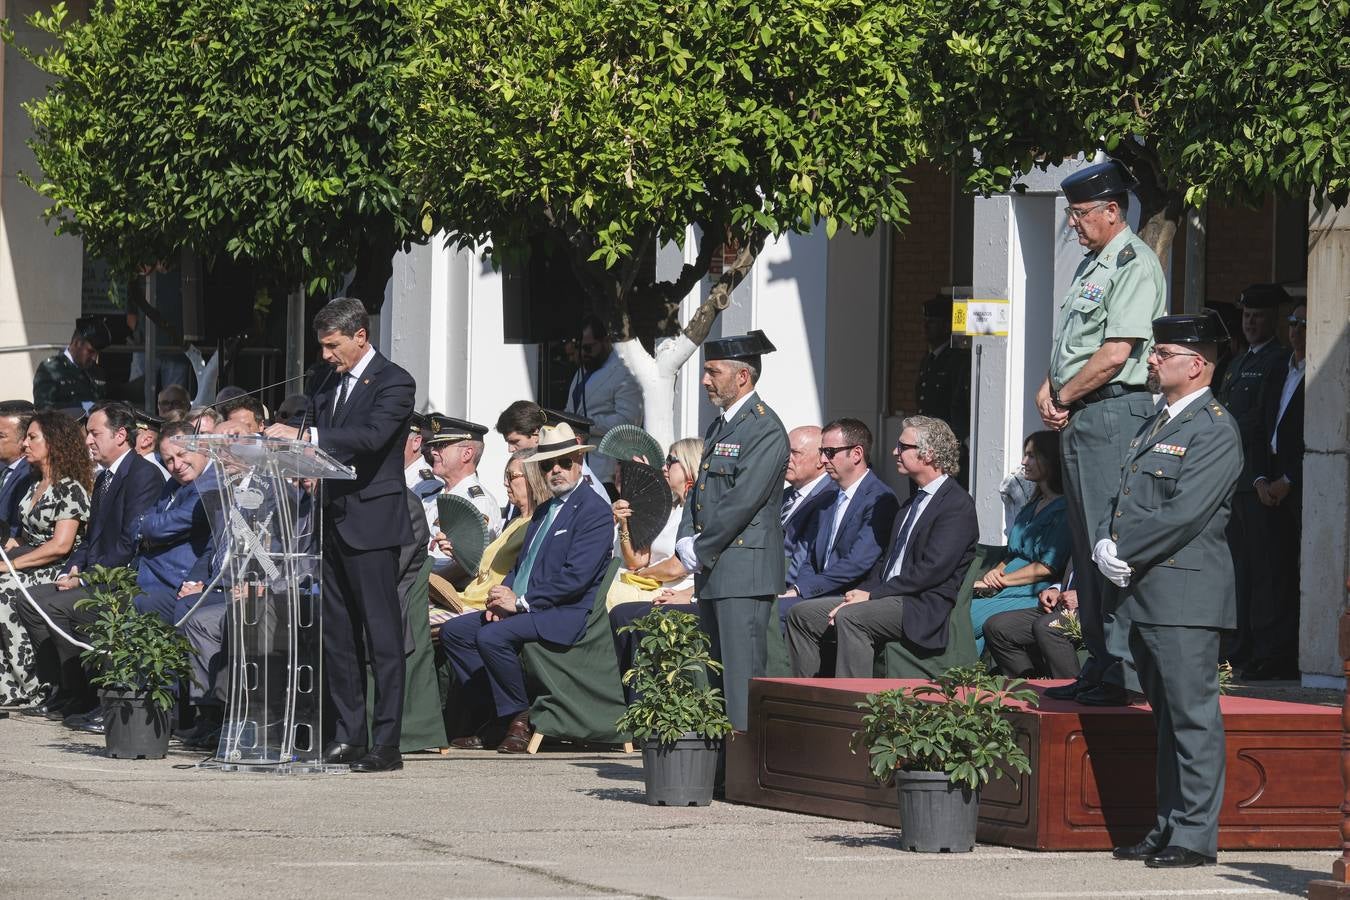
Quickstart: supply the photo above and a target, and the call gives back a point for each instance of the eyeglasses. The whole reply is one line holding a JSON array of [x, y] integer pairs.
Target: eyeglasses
[[1075, 214], [1165, 355], [1296, 322], [829, 452], [901, 446], [671, 460], [562, 462], [512, 476]]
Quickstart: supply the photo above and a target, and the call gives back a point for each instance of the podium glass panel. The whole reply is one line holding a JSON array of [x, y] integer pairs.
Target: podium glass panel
[[265, 514]]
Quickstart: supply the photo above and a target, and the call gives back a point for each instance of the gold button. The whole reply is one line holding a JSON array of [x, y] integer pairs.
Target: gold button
[[1171, 562], [698, 506], [705, 465], [1119, 514], [740, 540], [701, 486], [1126, 491], [1114, 536], [1159, 472], [698, 527], [1134, 468]]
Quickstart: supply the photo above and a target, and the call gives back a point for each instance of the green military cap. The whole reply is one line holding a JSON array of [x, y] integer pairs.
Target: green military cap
[[1096, 182], [1263, 296], [748, 347], [441, 429]]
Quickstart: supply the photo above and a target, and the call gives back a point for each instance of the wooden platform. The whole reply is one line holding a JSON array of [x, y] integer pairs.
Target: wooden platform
[[1091, 784]]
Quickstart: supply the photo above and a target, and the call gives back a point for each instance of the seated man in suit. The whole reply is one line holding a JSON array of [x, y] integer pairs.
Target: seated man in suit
[[847, 536], [911, 591], [809, 488], [174, 536], [126, 488], [15, 476], [547, 596]]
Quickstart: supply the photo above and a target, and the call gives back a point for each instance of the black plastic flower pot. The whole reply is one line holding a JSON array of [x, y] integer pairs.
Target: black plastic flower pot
[[936, 816], [133, 726], [682, 773]]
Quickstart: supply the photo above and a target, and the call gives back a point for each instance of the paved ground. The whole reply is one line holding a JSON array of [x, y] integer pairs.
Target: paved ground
[[481, 825]]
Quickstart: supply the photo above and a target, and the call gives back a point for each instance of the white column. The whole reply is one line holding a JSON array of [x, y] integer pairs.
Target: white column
[[1326, 463]]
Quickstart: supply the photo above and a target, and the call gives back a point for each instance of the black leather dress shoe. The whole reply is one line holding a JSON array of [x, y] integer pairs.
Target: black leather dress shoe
[[92, 723], [1178, 858], [379, 759], [1135, 852], [342, 754], [1104, 695], [1067, 691]]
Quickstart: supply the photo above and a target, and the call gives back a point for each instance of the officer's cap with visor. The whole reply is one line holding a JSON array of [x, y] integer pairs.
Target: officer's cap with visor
[[439, 429]]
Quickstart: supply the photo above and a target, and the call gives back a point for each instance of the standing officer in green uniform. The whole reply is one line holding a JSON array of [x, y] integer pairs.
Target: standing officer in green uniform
[[1243, 391], [1095, 394], [1162, 544], [943, 389], [731, 536], [66, 379]]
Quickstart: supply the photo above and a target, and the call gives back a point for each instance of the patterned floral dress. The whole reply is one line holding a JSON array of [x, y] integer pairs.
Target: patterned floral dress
[[67, 499]]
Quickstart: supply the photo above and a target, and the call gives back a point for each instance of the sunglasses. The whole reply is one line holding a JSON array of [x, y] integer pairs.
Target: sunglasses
[[829, 452], [671, 460], [901, 446], [562, 462], [1296, 322]]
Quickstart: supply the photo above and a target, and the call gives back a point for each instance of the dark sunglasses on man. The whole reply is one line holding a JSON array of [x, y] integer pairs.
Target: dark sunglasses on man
[[829, 452], [562, 462]]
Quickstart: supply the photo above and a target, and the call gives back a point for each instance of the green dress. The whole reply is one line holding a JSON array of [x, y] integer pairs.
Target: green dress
[[1041, 537]]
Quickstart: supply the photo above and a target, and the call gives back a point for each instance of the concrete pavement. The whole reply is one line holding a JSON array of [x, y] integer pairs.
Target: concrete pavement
[[75, 823]]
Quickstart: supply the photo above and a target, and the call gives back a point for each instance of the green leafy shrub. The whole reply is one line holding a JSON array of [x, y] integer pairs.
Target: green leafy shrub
[[955, 725], [668, 674], [133, 651]]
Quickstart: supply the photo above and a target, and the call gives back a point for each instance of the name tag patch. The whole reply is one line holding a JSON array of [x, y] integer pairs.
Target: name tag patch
[[1169, 449], [1092, 292], [729, 450]]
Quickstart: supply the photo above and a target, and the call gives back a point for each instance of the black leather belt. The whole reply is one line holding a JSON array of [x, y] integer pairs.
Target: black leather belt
[[1106, 392]]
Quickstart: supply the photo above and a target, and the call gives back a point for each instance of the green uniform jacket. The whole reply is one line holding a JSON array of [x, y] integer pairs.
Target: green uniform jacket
[[733, 509], [1245, 385], [1169, 516], [59, 383]]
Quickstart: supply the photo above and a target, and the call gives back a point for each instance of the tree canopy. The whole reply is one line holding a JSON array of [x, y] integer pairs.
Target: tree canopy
[[1215, 97], [260, 130], [620, 123]]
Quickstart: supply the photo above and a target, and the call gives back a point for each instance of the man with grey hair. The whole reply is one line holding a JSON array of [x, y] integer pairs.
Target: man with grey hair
[[360, 414], [456, 447], [911, 591]]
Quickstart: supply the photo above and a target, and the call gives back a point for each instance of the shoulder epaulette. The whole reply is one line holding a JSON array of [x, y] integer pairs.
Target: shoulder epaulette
[[1125, 255], [1216, 407], [759, 409], [475, 491]]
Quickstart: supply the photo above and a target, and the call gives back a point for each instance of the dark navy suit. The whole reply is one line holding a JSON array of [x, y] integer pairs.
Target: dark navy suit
[[365, 524], [174, 538], [15, 488], [798, 530], [861, 538], [568, 569]]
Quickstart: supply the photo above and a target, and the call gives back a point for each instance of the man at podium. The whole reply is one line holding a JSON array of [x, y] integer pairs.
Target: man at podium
[[360, 415]]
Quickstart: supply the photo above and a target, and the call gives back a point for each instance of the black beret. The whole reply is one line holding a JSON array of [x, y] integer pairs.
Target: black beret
[[448, 430], [1263, 296], [579, 424], [94, 330], [747, 347], [1201, 328], [1098, 181]]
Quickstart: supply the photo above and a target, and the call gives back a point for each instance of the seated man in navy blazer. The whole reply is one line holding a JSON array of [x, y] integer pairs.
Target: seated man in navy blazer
[[15, 476], [848, 534], [126, 488], [809, 487], [911, 591], [547, 596]]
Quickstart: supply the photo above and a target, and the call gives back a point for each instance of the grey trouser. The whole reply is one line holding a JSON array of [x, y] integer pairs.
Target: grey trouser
[[1094, 447], [1179, 669], [738, 627], [205, 631], [858, 629]]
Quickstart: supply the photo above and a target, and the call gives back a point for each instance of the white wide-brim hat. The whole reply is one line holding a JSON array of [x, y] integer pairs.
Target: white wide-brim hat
[[555, 441]]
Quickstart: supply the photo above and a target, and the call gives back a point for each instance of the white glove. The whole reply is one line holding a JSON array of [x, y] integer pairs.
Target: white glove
[[1112, 566]]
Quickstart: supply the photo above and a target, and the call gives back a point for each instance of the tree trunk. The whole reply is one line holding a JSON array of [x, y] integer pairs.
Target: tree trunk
[[656, 376]]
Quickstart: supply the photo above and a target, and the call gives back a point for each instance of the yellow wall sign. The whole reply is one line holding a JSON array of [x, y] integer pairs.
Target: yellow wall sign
[[984, 318]]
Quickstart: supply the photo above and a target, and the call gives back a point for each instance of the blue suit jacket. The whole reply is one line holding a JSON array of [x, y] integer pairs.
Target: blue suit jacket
[[569, 566], [14, 490], [862, 536], [174, 536], [798, 531], [110, 539]]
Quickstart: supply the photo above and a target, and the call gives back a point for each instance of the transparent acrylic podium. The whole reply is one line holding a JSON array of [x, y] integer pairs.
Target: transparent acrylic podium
[[266, 521]]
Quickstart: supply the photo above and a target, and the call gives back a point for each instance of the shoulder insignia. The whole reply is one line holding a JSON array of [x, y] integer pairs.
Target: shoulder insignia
[[1125, 255], [759, 408], [475, 491], [1216, 408]]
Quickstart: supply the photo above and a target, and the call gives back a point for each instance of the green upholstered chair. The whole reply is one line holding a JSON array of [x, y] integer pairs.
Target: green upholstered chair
[[423, 726], [902, 659], [777, 664], [577, 690]]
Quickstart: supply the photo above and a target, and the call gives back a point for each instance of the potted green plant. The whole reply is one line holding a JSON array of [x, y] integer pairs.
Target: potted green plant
[[941, 742], [138, 660], [678, 716]]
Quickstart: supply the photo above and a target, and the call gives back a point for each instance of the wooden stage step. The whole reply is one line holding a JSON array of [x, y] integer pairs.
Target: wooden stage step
[[1091, 783]]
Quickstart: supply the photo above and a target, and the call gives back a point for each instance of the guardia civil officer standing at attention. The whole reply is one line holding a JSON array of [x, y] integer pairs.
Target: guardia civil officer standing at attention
[[1162, 547], [1095, 394], [732, 535]]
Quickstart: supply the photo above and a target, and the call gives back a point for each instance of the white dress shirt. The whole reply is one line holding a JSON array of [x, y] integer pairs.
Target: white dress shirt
[[925, 495]]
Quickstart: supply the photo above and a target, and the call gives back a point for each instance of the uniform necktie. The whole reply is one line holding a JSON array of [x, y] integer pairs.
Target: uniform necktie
[[789, 498], [522, 580], [903, 537], [1163, 418], [341, 397]]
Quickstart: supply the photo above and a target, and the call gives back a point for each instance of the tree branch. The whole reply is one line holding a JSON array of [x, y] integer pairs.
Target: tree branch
[[719, 298]]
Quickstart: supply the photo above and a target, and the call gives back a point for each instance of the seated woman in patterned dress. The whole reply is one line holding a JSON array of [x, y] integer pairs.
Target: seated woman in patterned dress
[[1038, 543], [52, 519]]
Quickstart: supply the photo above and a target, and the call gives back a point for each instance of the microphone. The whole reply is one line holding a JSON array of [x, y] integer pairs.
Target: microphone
[[267, 387], [300, 432]]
